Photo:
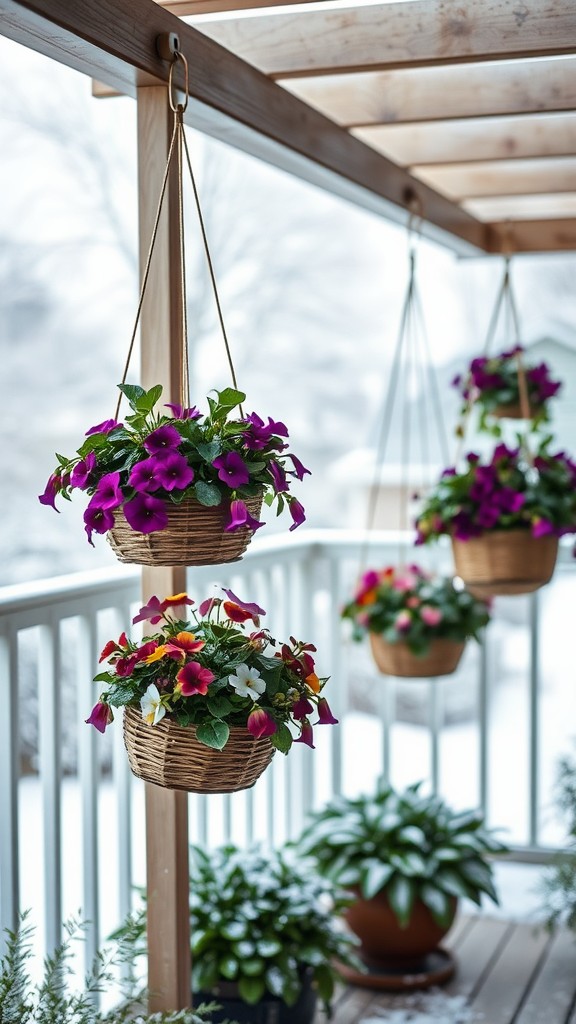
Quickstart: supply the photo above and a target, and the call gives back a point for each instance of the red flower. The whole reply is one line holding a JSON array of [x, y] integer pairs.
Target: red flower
[[260, 723], [192, 678], [100, 716]]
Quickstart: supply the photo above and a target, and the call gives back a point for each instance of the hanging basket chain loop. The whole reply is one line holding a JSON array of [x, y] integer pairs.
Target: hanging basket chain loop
[[179, 146]]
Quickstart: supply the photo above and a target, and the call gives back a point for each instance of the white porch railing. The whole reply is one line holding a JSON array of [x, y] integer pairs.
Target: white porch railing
[[72, 833]]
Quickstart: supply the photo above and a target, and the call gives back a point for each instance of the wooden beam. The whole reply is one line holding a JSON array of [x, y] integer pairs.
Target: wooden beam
[[518, 208], [499, 138], [161, 335], [187, 8], [232, 102], [501, 178], [399, 35], [442, 93]]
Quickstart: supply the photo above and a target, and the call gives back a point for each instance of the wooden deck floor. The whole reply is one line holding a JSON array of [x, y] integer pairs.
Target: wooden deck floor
[[506, 973]]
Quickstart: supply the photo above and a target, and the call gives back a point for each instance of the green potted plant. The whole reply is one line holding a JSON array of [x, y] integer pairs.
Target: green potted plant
[[57, 998], [179, 489], [493, 383], [206, 702], [407, 858], [504, 514], [418, 624], [558, 886], [265, 934]]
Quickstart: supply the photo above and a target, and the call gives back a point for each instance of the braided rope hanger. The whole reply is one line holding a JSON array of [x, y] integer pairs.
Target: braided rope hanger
[[412, 361], [179, 147]]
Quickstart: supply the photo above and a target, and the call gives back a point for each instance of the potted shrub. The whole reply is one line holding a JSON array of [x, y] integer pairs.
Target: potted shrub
[[207, 703], [56, 997], [495, 385], [504, 515], [418, 624], [265, 934], [407, 858], [179, 489]]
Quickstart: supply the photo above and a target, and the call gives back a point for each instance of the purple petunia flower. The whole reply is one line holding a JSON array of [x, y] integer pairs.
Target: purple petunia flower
[[325, 716], [100, 716], [279, 480], [97, 519], [260, 434], [487, 516], [232, 469], [297, 512], [306, 736], [510, 500], [144, 475], [299, 469], [108, 492], [103, 428], [302, 708], [174, 472], [151, 612], [162, 439], [48, 497], [146, 514], [180, 413], [82, 472], [240, 516], [542, 528]]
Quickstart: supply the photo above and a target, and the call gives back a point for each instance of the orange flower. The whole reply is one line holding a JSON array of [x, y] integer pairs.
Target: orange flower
[[313, 682], [368, 598], [156, 655]]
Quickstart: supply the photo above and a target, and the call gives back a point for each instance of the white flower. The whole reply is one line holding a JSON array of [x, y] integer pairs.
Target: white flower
[[247, 682], [152, 708]]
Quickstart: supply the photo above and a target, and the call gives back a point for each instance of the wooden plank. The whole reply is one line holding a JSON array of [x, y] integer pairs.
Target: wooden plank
[[466, 141], [501, 177], [475, 952], [533, 235], [441, 93], [167, 872], [517, 208], [186, 8], [399, 35], [554, 990], [503, 987], [231, 101]]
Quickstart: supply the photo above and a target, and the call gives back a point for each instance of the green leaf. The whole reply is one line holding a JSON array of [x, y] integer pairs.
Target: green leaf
[[213, 734], [207, 494], [251, 989], [282, 739], [252, 967], [209, 450], [437, 902], [324, 978], [230, 398], [275, 981], [451, 882], [234, 931], [268, 947], [219, 705], [401, 892], [133, 392], [148, 400], [228, 967], [374, 877]]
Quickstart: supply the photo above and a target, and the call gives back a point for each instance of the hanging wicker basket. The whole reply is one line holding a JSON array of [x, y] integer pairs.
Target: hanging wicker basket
[[195, 535], [169, 755], [505, 562], [513, 411], [441, 659]]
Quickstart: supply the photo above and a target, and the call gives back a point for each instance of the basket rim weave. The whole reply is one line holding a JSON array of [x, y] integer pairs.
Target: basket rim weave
[[170, 756]]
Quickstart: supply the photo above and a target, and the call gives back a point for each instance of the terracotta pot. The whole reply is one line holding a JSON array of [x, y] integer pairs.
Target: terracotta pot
[[505, 562], [441, 659], [382, 938]]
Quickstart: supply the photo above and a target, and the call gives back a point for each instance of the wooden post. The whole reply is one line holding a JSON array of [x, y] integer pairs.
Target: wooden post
[[161, 357]]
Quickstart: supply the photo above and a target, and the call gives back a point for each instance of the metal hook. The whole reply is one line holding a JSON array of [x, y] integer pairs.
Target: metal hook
[[178, 108]]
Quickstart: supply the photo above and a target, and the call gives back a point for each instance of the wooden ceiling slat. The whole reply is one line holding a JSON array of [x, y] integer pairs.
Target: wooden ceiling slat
[[505, 138], [442, 93], [533, 236], [399, 35], [185, 8], [517, 208], [501, 177], [231, 101]]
